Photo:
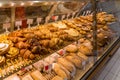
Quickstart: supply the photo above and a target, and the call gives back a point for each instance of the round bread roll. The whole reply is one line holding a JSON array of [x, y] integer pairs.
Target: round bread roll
[[71, 48], [57, 78]]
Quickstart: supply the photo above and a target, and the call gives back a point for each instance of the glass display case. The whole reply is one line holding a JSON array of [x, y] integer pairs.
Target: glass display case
[[58, 40]]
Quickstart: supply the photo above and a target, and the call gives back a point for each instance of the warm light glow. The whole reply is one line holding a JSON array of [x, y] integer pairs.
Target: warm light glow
[[22, 4], [35, 1], [31, 3], [0, 4], [12, 4]]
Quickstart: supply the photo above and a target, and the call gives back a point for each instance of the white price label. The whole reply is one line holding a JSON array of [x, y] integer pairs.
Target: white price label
[[30, 21], [63, 16], [68, 15], [62, 52], [56, 18], [73, 14], [39, 20], [6, 25], [47, 19], [18, 23]]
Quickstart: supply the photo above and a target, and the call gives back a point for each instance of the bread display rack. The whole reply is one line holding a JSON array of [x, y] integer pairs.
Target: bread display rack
[[58, 40]]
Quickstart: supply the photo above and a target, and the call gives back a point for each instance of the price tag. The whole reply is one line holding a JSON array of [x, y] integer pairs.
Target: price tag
[[39, 65], [29, 22], [39, 20], [62, 52], [47, 67], [73, 14], [55, 18], [18, 23], [68, 16], [63, 16], [47, 19], [6, 25]]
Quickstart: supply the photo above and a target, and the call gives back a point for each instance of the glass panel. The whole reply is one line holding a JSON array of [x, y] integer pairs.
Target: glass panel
[[5, 16]]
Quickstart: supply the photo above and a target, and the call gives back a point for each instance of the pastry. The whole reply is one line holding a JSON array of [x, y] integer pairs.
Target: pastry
[[36, 75], [57, 78], [4, 48], [13, 52], [85, 50], [68, 65], [22, 45], [72, 32], [59, 71], [71, 48], [36, 49], [2, 60], [76, 61], [22, 51], [82, 56]]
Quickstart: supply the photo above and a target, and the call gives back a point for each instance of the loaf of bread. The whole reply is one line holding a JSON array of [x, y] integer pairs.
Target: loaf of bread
[[68, 65], [59, 71], [82, 56], [75, 60], [66, 71], [36, 75], [57, 78]]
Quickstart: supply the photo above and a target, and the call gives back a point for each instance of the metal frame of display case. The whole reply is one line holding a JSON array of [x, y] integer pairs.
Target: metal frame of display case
[[99, 63]]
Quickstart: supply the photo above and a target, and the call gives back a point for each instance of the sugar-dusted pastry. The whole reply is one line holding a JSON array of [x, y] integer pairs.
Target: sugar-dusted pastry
[[4, 48]]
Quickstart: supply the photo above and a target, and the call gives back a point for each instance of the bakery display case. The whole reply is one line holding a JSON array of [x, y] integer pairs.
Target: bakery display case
[[58, 40]]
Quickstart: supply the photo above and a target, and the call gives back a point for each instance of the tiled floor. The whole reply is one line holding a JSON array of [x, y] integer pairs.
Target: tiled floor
[[111, 71]]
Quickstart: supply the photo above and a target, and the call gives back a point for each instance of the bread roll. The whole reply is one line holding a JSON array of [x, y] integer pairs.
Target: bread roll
[[36, 75], [82, 56], [57, 78], [85, 50], [68, 65], [76, 61], [71, 48], [66, 71], [59, 71]]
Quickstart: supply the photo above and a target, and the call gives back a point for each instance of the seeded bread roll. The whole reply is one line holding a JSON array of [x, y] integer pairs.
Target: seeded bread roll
[[57, 78], [68, 65]]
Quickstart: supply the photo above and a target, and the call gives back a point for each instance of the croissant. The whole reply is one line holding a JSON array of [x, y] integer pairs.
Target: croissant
[[22, 45]]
